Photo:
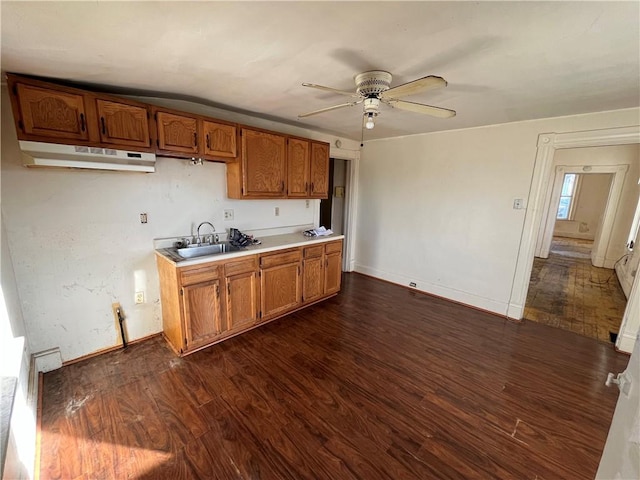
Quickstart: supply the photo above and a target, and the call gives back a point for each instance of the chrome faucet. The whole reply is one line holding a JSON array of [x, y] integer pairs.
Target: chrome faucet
[[212, 235]]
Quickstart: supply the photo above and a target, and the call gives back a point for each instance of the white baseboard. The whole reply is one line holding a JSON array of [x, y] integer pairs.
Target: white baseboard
[[626, 342], [48, 360], [515, 311], [466, 298]]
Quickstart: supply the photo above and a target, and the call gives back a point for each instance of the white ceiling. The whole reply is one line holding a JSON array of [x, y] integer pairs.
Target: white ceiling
[[504, 61]]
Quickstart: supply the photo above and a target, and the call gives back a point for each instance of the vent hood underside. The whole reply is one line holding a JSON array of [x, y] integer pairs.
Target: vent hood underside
[[38, 154]]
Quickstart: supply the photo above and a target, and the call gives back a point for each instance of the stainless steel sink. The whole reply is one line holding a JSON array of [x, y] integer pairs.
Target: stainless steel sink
[[202, 250]]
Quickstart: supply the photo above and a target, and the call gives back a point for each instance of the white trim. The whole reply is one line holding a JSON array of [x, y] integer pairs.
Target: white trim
[[353, 158], [466, 298], [548, 143], [601, 243], [48, 360]]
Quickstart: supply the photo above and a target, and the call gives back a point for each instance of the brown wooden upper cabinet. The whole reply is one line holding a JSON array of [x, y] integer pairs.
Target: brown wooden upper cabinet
[[183, 135], [219, 139], [319, 171], [46, 112], [263, 164], [177, 133], [49, 114], [276, 166], [298, 168], [123, 123]]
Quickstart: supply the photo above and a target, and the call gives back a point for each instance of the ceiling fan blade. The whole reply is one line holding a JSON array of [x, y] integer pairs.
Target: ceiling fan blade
[[332, 90], [335, 107], [421, 108], [417, 86]]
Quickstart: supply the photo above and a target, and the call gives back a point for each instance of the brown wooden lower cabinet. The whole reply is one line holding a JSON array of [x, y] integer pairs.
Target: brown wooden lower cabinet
[[202, 308], [280, 283], [206, 303], [242, 293]]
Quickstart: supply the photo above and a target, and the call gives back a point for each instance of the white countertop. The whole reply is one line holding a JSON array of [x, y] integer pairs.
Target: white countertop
[[269, 244]]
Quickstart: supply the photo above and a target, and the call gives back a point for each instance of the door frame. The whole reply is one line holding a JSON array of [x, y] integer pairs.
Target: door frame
[[601, 242], [351, 203], [547, 144]]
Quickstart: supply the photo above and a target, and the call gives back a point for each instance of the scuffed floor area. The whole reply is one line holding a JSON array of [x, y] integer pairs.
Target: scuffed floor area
[[567, 292]]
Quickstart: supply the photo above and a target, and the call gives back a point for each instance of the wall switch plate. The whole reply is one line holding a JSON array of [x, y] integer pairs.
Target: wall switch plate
[[139, 297], [143, 218], [228, 214], [277, 211], [518, 203], [307, 203]]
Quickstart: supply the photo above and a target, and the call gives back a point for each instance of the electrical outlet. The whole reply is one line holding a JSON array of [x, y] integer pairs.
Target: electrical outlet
[[518, 203], [228, 214], [307, 203], [277, 211], [143, 218], [139, 297], [413, 284]]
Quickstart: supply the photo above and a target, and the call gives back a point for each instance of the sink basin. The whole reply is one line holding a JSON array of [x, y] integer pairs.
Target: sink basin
[[201, 250]]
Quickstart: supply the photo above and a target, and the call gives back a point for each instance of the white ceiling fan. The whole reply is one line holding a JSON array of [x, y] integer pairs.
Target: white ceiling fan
[[374, 87]]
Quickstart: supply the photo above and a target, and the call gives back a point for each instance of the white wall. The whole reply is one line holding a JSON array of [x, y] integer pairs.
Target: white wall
[[78, 246], [621, 455], [437, 208], [15, 360], [590, 202], [614, 155]]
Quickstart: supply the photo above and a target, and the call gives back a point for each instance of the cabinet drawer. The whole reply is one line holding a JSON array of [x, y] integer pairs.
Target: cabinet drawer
[[241, 266], [332, 247], [198, 274], [315, 251], [280, 258]]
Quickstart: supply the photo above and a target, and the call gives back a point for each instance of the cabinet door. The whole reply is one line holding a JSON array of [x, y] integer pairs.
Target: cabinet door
[[177, 133], [263, 164], [332, 272], [319, 170], [219, 139], [52, 113], [279, 289], [242, 301], [297, 168], [123, 124], [201, 312], [312, 279]]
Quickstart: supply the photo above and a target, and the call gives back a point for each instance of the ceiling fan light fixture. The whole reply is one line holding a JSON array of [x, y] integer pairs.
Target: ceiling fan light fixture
[[370, 123]]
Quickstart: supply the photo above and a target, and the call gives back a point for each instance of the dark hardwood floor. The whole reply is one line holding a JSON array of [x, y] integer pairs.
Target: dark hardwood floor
[[378, 382]]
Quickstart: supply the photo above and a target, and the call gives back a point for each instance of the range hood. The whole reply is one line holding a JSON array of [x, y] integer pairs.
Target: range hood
[[39, 154]]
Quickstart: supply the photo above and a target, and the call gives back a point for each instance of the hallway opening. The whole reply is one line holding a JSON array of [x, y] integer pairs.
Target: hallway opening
[[566, 291]]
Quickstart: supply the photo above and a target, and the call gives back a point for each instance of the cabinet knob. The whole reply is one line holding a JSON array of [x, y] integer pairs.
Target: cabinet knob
[[208, 143], [82, 126], [104, 126], [282, 187], [195, 139]]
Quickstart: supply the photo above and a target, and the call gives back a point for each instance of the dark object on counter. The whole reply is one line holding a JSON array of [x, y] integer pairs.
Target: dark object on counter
[[239, 239]]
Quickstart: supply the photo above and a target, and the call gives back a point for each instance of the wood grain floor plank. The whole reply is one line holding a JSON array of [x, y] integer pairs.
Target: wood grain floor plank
[[377, 382]]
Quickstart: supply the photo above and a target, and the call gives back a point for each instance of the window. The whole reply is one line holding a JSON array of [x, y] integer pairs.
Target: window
[[567, 196]]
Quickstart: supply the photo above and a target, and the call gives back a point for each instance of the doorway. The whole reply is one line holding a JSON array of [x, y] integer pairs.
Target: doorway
[[334, 209], [547, 146], [570, 288]]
